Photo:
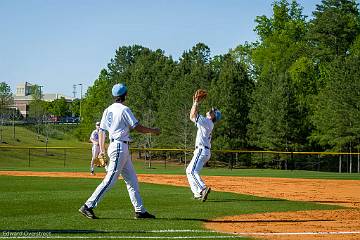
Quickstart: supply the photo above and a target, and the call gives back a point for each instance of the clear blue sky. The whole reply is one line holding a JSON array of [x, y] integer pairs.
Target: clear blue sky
[[59, 43]]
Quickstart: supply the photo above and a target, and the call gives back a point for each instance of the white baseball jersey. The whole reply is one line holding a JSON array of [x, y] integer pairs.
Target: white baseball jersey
[[95, 135], [205, 127], [118, 119]]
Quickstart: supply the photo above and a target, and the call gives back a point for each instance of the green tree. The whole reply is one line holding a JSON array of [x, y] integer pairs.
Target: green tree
[[59, 107], [192, 72], [6, 100], [231, 93], [334, 38], [333, 29], [337, 106], [6, 97], [269, 126], [36, 92], [118, 68], [99, 96], [243, 55], [74, 108], [149, 72], [38, 109], [278, 120]]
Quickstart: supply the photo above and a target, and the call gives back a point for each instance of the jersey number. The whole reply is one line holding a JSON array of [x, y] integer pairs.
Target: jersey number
[[109, 119]]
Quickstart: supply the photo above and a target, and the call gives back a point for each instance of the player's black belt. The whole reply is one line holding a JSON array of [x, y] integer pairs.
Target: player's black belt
[[126, 142], [203, 146]]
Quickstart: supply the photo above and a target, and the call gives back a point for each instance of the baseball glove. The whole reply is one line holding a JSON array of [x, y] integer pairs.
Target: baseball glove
[[200, 95], [101, 160]]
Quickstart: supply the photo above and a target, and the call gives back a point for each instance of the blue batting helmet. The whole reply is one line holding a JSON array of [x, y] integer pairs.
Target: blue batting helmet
[[119, 90]]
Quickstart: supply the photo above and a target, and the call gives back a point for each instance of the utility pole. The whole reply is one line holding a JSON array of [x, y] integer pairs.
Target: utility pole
[[13, 122], [74, 90], [40, 92], [80, 84]]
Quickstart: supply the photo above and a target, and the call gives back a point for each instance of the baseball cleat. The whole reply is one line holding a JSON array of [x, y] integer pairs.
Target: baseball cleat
[[197, 198], [87, 212], [205, 193], [143, 215], [92, 173]]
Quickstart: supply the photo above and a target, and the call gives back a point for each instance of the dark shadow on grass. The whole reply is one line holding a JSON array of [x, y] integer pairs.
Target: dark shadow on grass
[[278, 200], [245, 200], [112, 218], [72, 231], [91, 231], [333, 202], [268, 221], [246, 221]]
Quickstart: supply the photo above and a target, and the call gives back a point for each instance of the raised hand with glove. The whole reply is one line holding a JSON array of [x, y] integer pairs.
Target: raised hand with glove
[[199, 95]]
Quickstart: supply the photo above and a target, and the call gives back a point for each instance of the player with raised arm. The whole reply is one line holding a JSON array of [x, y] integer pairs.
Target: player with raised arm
[[202, 151], [118, 120]]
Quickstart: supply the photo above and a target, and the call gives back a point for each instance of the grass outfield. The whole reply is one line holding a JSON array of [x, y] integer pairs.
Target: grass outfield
[[49, 207]]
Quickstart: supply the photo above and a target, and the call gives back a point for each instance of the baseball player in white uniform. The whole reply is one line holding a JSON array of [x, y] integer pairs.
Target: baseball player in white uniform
[[202, 152], [95, 150], [118, 120]]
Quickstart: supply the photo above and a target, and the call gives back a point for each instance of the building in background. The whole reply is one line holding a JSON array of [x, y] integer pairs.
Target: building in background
[[23, 97]]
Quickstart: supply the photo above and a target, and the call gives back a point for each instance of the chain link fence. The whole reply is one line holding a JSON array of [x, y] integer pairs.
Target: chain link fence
[[70, 157]]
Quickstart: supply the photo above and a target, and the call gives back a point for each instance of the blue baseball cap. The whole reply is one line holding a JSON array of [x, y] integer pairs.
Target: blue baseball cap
[[217, 114], [119, 90]]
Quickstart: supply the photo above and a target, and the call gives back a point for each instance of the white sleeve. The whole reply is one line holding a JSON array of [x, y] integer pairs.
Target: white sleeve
[[200, 120], [92, 135], [130, 118]]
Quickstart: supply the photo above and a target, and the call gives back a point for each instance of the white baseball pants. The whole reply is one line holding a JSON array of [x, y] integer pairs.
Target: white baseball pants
[[119, 163], [200, 158], [95, 152]]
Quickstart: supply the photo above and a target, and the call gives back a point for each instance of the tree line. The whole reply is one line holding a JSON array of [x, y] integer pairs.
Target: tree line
[[296, 88]]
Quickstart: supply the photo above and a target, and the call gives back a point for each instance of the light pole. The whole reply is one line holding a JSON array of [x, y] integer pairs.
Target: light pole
[[80, 84], [14, 112], [40, 91], [41, 116]]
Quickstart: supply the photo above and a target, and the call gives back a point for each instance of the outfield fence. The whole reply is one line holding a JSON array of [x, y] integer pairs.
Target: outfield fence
[[72, 157], [236, 159]]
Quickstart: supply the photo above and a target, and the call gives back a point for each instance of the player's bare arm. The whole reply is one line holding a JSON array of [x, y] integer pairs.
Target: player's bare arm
[[142, 129], [94, 141], [194, 111], [102, 141]]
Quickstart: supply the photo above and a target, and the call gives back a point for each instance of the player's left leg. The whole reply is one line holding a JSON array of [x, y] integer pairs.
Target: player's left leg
[[132, 184], [189, 174], [95, 152], [194, 169], [129, 175], [116, 162]]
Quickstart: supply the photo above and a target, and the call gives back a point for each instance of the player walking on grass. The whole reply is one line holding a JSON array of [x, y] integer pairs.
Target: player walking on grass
[[118, 120], [202, 152]]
